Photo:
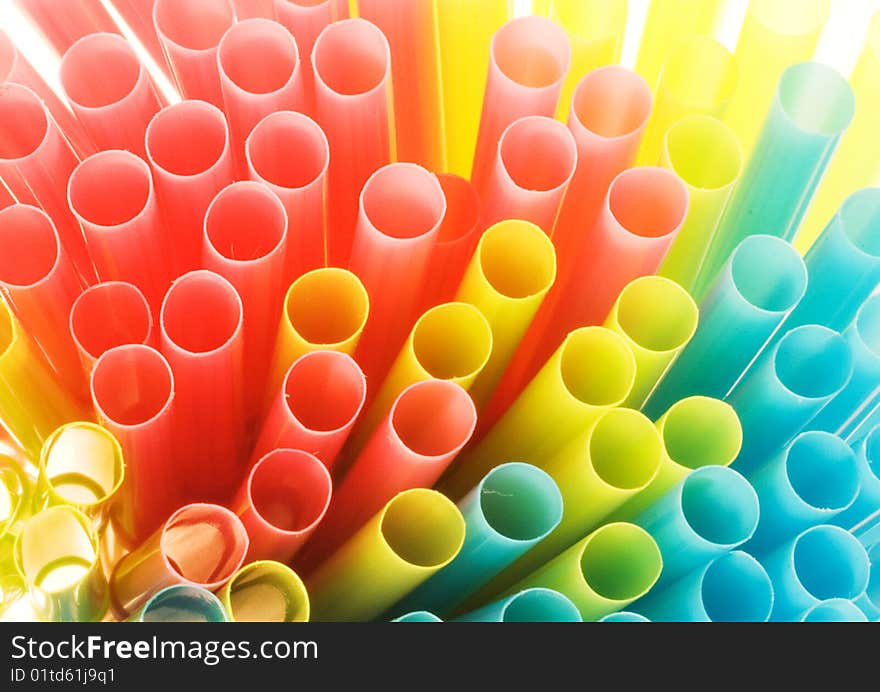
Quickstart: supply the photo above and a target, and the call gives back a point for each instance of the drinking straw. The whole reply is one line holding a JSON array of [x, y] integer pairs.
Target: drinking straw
[[138, 16], [670, 22], [428, 425], [198, 545], [657, 318], [528, 60], [855, 163], [513, 507], [183, 603], [867, 452], [511, 271], [260, 74], [833, 610], [822, 562], [418, 616], [201, 336], [111, 194], [756, 289], [57, 554], [604, 572], [64, 23], [417, 533], [246, 9], [732, 588], [245, 242], [35, 163], [109, 90], [16, 494], [265, 591], [529, 605], [592, 371], [133, 393], [624, 616], [812, 108], [411, 30], [289, 153], [40, 284], [786, 388], [869, 602], [775, 34], [401, 207], [464, 30], [281, 502], [698, 77], [711, 512], [706, 155], [535, 161], [353, 105], [190, 33], [320, 400]]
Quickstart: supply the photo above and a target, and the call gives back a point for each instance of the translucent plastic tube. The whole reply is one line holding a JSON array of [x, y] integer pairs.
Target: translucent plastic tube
[[732, 588], [62, 24], [869, 603], [418, 616], [624, 616], [352, 66], [786, 388], [201, 336], [756, 289], [657, 318], [109, 90], [138, 15], [265, 591], [834, 610], [190, 34], [529, 605], [183, 603], [281, 502], [535, 161], [199, 545], [867, 500], [16, 495], [111, 194], [412, 537], [289, 153], [246, 9], [528, 60], [191, 158]]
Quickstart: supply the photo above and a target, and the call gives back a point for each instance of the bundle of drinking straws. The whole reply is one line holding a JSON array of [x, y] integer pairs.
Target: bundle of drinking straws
[[410, 309]]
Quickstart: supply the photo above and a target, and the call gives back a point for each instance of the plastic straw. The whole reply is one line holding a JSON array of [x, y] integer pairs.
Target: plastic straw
[[786, 388], [320, 400], [733, 588], [183, 603], [190, 34], [199, 545], [418, 616], [821, 563], [189, 153], [281, 502], [57, 553], [412, 537], [756, 289], [604, 572], [624, 616], [834, 610], [705, 154], [16, 495], [511, 271], [529, 605], [133, 391], [657, 318], [63, 23], [528, 60], [698, 76], [869, 603], [109, 90], [246, 9], [289, 153], [266, 591], [535, 161], [352, 64], [138, 15], [111, 194], [867, 501]]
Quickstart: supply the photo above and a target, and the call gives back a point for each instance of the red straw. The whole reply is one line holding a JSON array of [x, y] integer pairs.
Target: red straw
[[63, 23], [138, 15]]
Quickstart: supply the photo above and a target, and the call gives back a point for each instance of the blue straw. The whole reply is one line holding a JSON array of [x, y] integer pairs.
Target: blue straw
[[418, 616], [183, 603], [867, 456], [834, 610], [529, 605], [624, 616]]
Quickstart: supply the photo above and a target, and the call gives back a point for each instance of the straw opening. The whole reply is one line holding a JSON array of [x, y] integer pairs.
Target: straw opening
[[736, 588], [517, 259], [196, 24], [110, 314], [187, 138], [597, 367], [82, 464], [657, 314], [612, 102], [267, 591], [351, 57], [433, 418], [193, 298], [327, 306], [183, 603], [290, 490], [720, 506], [132, 385], [325, 390], [625, 449], [769, 273], [816, 98], [701, 431], [538, 153], [452, 341], [462, 208], [403, 200], [813, 362], [110, 188], [704, 152], [245, 222], [531, 51], [288, 150], [540, 605], [830, 563], [520, 502], [822, 471], [859, 217], [24, 123], [648, 202], [259, 56], [61, 562], [423, 528], [834, 610], [29, 247], [620, 562], [99, 70]]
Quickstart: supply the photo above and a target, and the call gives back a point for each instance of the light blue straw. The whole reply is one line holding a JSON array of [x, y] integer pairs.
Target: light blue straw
[[624, 616], [418, 616], [867, 502], [183, 603], [834, 610], [529, 605]]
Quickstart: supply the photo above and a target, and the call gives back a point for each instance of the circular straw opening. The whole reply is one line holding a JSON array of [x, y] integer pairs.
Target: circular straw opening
[[195, 24], [288, 150], [531, 51], [625, 449], [327, 306], [791, 17], [830, 563], [701, 431], [736, 588], [187, 138], [624, 616], [701, 73], [540, 605], [769, 273], [29, 246], [57, 549], [245, 222], [351, 57], [608, 385], [259, 55], [403, 200], [423, 528], [132, 385], [110, 314], [612, 102], [859, 217], [816, 98], [517, 259], [538, 153], [704, 152], [433, 418], [110, 188], [821, 469], [191, 299], [720, 506], [24, 124], [657, 314], [325, 390], [183, 603], [462, 208], [82, 464], [620, 562], [99, 70], [267, 591], [648, 202], [452, 341], [290, 490], [520, 502], [813, 362], [834, 610]]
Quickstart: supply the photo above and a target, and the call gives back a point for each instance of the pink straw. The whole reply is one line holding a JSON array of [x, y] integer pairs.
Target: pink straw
[[246, 9], [352, 63], [109, 90], [188, 150], [535, 161], [282, 501], [64, 23], [321, 398], [289, 153], [138, 15]]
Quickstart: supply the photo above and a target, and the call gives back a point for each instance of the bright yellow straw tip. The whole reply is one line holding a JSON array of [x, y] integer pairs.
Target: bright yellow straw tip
[[265, 591]]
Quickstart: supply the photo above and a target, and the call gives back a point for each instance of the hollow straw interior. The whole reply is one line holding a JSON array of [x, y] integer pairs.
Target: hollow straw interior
[[736, 588], [403, 201], [99, 70], [82, 464], [289, 490], [768, 273], [462, 208], [351, 57], [327, 306], [195, 24], [258, 55], [538, 153], [859, 217], [648, 202], [187, 138], [540, 605], [110, 188], [704, 152], [423, 527], [110, 314], [183, 603], [452, 340], [433, 418], [822, 471], [834, 610], [813, 362], [23, 122], [201, 312], [625, 449], [132, 385], [267, 591], [621, 562], [790, 17], [611, 102], [29, 246], [56, 549], [830, 563], [700, 431], [288, 150], [597, 367], [245, 222], [719, 505], [520, 502], [816, 98], [657, 314], [531, 52], [517, 259], [325, 390], [701, 73]]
